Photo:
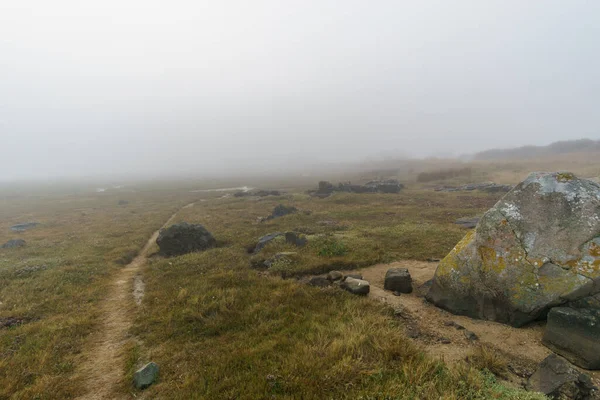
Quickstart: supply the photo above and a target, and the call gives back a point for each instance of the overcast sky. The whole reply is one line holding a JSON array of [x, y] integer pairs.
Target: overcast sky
[[131, 86]]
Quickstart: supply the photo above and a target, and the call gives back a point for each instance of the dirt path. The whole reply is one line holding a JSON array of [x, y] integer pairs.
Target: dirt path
[[434, 327], [102, 367]]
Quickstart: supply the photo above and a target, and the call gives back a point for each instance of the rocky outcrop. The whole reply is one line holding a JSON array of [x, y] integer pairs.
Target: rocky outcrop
[[326, 189], [184, 238], [13, 244], [281, 211], [575, 334], [537, 248], [489, 187], [558, 379], [258, 193], [398, 280]]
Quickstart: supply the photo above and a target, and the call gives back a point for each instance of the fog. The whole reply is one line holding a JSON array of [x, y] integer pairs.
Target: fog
[[214, 87]]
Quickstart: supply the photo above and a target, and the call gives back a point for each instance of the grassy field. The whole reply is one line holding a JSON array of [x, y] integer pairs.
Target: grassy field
[[220, 325]]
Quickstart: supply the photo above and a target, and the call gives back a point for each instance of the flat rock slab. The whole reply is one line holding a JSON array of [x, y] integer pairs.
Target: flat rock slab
[[14, 243], [557, 378], [398, 280], [574, 334], [145, 376], [24, 227], [356, 286]]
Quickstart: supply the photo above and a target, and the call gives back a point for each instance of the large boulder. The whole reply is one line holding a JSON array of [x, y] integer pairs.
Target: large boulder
[[281, 211], [184, 238], [558, 379], [398, 280], [537, 248], [575, 334]]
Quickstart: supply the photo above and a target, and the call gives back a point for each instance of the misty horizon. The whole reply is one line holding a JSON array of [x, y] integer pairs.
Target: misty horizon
[[150, 88]]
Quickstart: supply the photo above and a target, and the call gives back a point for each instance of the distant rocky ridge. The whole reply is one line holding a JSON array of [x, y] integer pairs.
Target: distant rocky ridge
[[326, 188], [489, 187], [528, 152]]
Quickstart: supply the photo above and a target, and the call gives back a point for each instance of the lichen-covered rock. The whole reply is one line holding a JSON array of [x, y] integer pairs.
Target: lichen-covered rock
[[184, 238], [575, 334], [537, 248]]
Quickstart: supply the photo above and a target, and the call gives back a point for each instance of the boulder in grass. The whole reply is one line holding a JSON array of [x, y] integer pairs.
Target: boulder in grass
[[335, 276], [184, 238], [264, 240], [537, 248], [356, 286], [14, 243], [398, 280], [574, 334], [145, 376]]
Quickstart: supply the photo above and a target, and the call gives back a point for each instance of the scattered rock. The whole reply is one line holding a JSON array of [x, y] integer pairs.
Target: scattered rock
[[444, 340], [398, 280], [402, 312], [145, 376], [326, 189], [489, 187], [24, 227], [413, 331], [9, 322], [258, 193], [296, 239], [558, 379], [334, 276], [14, 243], [281, 210], [454, 324], [534, 250], [470, 335], [184, 238], [263, 241], [575, 335], [319, 281], [468, 223], [356, 286]]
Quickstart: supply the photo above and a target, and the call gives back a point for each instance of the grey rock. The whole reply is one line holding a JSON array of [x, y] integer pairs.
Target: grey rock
[[468, 223], [296, 239], [470, 335], [263, 241], [14, 243], [24, 227], [355, 276], [184, 238], [281, 210], [319, 281], [398, 280], [145, 376], [558, 379], [575, 335], [534, 250], [334, 276], [356, 286]]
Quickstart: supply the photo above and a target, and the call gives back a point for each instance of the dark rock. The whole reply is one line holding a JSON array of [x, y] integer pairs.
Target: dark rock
[[558, 379], [468, 223], [575, 335], [281, 210], [445, 340], [263, 241], [258, 193], [397, 293], [454, 324], [24, 227], [398, 280], [470, 335], [145, 376], [296, 239], [319, 281], [489, 187], [9, 322], [356, 286], [334, 276], [385, 186], [14, 243], [531, 252], [433, 259], [184, 238]]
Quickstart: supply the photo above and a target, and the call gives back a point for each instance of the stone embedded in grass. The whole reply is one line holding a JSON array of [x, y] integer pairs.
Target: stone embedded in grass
[[356, 286], [575, 335], [24, 227], [398, 280], [145, 376], [334, 276], [263, 241], [296, 239], [556, 378], [13, 244], [184, 238], [281, 211]]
